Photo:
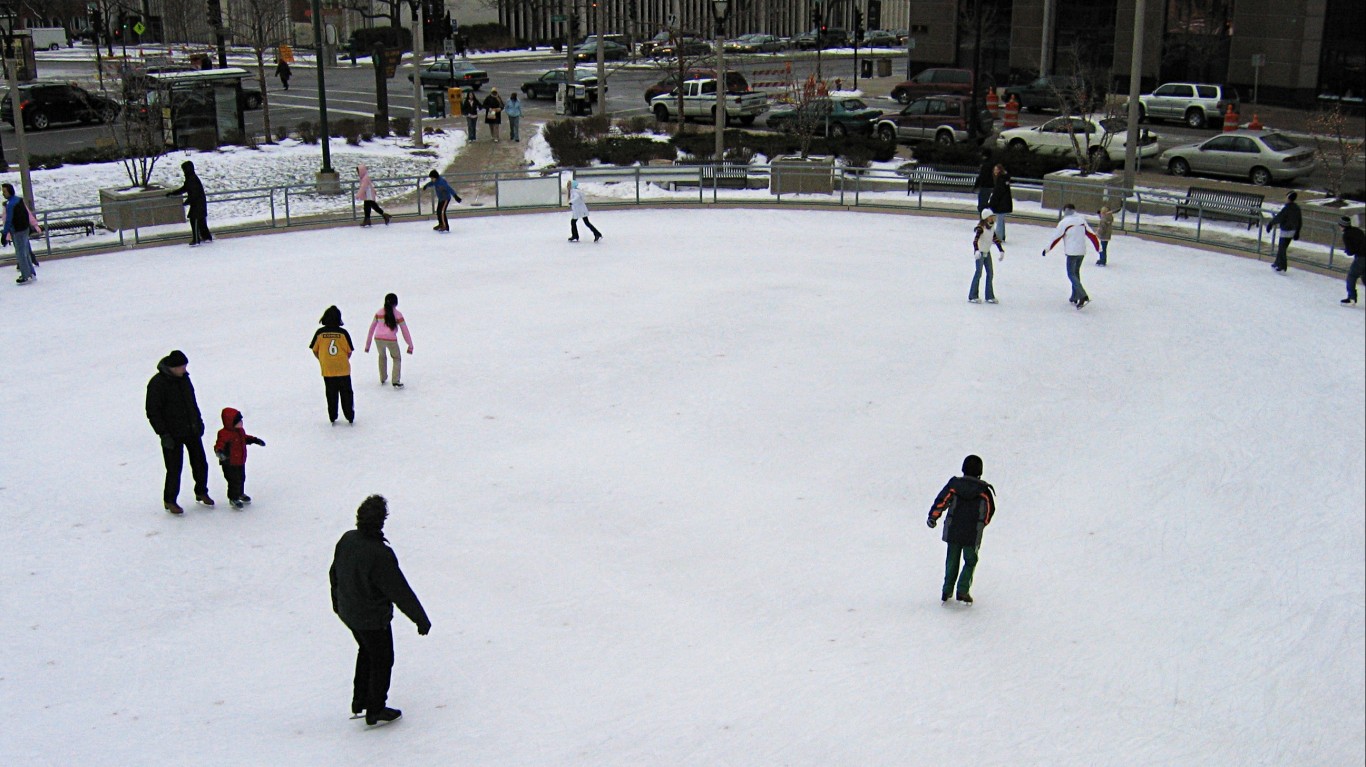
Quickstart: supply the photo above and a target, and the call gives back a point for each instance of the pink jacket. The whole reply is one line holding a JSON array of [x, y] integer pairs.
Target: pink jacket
[[378, 330], [367, 187]]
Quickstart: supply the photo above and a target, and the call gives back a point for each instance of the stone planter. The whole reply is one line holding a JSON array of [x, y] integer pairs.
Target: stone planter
[[1087, 193], [136, 208], [1321, 219], [793, 175]]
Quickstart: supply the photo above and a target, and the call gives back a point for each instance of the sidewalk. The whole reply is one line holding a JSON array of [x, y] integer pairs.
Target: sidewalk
[[480, 159]]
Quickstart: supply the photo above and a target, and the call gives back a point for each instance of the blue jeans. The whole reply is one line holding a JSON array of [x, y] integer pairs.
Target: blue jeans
[[1001, 227], [1104, 251], [1074, 276], [471, 123], [983, 262], [23, 253], [514, 125]]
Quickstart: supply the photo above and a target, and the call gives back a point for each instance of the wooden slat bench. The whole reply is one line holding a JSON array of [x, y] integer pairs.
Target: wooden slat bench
[[927, 177], [1222, 203]]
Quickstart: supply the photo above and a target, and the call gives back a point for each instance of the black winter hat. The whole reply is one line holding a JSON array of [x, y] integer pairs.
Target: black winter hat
[[371, 514], [972, 466], [176, 358], [1345, 221]]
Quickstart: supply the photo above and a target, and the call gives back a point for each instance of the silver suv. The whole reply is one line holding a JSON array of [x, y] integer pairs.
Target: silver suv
[[1195, 104]]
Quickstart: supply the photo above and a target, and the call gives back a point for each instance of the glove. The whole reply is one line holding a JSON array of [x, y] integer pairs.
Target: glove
[[1002, 257], [458, 200], [367, 349], [424, 628], [222, 456], [931, 522], [1044, 254]]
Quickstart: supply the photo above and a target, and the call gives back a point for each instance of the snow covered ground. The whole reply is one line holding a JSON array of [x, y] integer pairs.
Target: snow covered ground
[[664, 500]]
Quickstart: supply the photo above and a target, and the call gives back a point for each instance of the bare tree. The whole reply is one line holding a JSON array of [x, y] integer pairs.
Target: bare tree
[[376, 9], [977, 22], [1337, 144], [1077, 102], [676, 67], [182, 19], [138, 132], [811, 103], [261, 25]]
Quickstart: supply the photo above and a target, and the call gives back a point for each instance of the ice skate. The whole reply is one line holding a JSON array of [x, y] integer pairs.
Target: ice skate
[[382, 717]]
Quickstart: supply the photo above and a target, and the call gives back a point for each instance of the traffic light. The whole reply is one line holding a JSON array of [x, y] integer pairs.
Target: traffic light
[[815, 14], [215, 11], [858, 24], [875, 14]]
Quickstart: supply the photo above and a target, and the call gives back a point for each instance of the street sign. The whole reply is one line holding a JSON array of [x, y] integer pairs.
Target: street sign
[[671, 20], [448, 46], [139, 27], [558, 18]]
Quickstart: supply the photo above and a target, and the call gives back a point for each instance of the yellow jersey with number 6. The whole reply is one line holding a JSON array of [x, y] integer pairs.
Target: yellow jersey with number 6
[[332, 347]]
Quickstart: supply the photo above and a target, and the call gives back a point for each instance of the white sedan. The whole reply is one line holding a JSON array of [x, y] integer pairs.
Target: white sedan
[[1094, 134]]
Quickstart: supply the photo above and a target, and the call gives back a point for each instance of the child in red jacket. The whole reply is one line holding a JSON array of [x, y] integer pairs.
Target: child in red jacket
[[231, 449]]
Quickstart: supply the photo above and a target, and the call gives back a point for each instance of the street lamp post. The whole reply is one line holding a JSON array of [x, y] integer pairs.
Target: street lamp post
[[418, 51], [719, 9], [328, 180], [11, 65]]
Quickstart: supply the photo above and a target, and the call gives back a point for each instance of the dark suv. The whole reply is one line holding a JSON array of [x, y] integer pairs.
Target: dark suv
[[1060, 92], [932, 82], [44, 104], [830, 37], [941, 119]]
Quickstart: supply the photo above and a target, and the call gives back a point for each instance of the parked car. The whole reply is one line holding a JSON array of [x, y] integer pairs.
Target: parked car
[[755, 43], [683, 46], [1195, 104], [834, 117], [1058, 92], [1262, 157], [1093, 134], [735, 82], [942, 119], [932, 82], [453, 74], [44, 104], [830, 37], [881, 38], [611, 38], [699, 102], [610, 52], [548, 84]]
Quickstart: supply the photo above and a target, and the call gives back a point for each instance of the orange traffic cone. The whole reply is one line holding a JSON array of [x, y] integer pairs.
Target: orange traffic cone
[[1012, 118], [1256, 124], [993, 104], [1230, 120]]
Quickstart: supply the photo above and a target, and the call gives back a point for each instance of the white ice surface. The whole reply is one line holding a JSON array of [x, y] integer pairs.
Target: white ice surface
[[664, 499]]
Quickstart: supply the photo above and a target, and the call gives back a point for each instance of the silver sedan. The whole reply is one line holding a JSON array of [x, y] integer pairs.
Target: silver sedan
[[1261, 157]]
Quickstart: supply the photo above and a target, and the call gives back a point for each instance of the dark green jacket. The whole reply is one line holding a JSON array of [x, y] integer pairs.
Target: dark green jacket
[[366, 584]]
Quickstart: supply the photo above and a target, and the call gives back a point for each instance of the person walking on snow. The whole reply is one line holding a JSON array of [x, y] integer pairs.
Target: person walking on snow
[[966, 504], [1073, 232], [388, 321], [365, 192], [282, 72], [197, 203], [231, 450], [469, 107], [1105, 229], [1354, 244], [332, 346], [578, 209], [514, 115], [173, 412], [366, 585], [19, 225], [1290, 222], [444, 192], [493, 113], [982, 240]]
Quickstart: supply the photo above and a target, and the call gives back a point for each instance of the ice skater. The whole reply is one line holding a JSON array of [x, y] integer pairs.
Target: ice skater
[[1354, 244], [173, 411], [578, 209], [231, 450], [332, 346], [982, 240], [19, 224], [1105, 229], [389, 321], [1001, 202], [966, 503], [197, 205], [365, 192], [1073, 232], [366, 585], [1289, 220], [444, 193]]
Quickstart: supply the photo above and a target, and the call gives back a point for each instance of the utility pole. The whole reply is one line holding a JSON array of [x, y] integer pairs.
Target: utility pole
[[327, 179], [598, 21], [11, 67], [1135, 83], [418, 106]]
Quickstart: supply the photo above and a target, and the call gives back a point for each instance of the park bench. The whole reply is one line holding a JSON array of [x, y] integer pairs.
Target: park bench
[[73, 226], [1222, 203], [928, 177]]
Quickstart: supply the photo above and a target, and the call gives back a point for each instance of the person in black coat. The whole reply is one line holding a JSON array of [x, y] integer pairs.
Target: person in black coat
[[1001, 202], [174, 414], [966, 503], [985, 182], [366, 584], [1354, 244], [197, 203], [1290, 222], [283, 72]]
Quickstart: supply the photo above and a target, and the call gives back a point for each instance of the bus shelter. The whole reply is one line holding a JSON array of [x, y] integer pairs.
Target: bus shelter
[[199, 109]]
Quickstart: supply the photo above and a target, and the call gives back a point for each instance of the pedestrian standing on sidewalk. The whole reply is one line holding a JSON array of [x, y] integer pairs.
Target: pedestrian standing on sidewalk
[[578, 209], [514, 115], [365, 192], [18, 227], [282, 72], [1290, 222], [1073, 232], [1001, 201], [444, 193], [332, 346], [366, 584], [470, 109], [493, 113], [173, 412], [967, 504], [986, 181], [1354, 243], [982, 240], [388, 321], [1105, 229], [197, 204]]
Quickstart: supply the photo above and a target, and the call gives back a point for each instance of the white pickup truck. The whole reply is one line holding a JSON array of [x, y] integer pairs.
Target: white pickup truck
[[699, 101]]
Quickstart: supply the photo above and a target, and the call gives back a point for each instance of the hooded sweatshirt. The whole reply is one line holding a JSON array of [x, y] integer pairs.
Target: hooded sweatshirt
[[233, 439], [366, 188]]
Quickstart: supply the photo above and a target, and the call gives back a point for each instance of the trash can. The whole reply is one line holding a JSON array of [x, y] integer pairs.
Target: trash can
[[436, 104], [884, 67], [867, 68]]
